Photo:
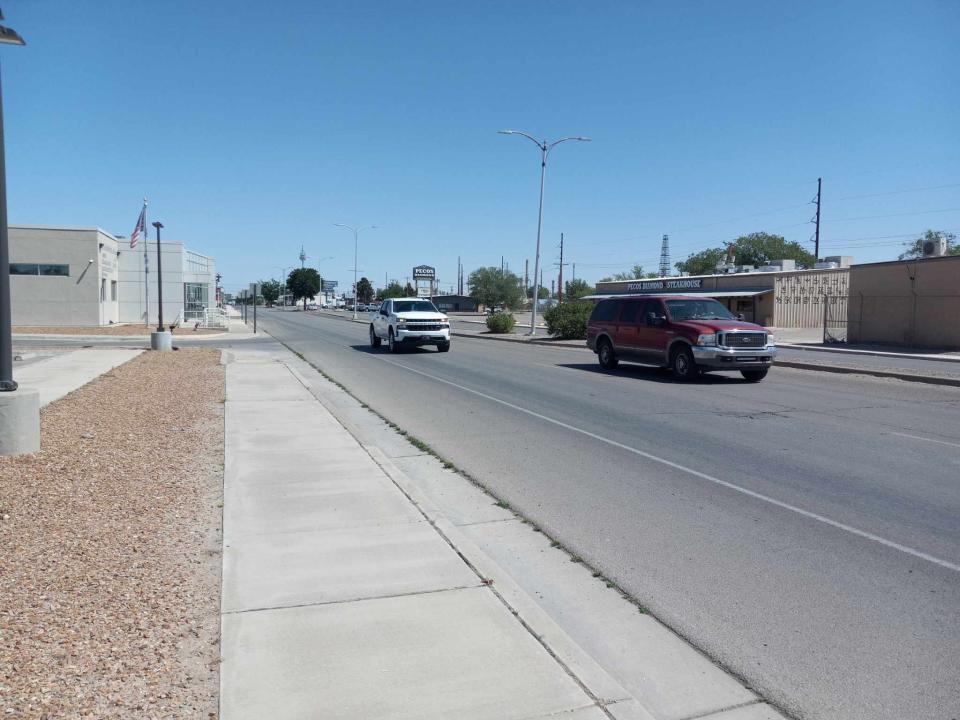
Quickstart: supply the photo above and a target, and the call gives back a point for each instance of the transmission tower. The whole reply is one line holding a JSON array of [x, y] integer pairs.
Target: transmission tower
[[665, 257]]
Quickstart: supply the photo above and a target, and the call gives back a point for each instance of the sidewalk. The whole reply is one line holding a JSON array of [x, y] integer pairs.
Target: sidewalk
[[347, 594], [63, 373]]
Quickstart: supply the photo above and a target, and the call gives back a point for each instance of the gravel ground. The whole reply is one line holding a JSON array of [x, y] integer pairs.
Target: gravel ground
[[110, 548], [110, 330]]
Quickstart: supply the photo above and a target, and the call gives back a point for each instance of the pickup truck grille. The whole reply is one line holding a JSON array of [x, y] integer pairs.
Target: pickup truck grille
[[422, 326], [744, 340]]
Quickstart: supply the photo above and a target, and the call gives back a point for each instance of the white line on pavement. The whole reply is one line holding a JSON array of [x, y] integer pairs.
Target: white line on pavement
[[917, 437], [703, 476]]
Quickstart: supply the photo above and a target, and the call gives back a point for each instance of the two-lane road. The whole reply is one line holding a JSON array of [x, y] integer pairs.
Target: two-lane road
[[804, 531]]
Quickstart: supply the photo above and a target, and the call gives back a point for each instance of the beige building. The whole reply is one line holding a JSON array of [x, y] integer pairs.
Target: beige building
[[788, 299], [907, 302]]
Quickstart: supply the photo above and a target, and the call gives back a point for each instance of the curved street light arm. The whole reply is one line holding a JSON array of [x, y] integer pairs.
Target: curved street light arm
[[542, 144]]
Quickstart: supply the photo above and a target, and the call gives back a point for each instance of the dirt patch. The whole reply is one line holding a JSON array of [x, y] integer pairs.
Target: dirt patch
[[112, 330], [110, 546]]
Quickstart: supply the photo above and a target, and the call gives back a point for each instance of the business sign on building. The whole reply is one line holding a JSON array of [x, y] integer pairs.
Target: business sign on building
[[329, 285], [424, 272], [666, 284]]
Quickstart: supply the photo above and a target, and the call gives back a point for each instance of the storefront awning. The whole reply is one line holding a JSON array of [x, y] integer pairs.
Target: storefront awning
[[701, 293]]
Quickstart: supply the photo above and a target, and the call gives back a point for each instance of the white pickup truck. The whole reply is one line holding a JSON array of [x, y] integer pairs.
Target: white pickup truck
[[408, 321]]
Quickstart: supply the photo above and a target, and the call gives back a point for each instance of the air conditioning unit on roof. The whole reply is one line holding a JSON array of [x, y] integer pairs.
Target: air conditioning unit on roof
[[935, 248]]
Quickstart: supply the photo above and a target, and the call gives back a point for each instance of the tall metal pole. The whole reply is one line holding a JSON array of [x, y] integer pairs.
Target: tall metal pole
[[256, 286], [159, 225], [816, 243], [146, 268], [560, 280], [7, 383], [536, 258], [355, 293]]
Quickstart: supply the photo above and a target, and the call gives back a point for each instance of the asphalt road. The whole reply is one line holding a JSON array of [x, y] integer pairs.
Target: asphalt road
[[803, 531]]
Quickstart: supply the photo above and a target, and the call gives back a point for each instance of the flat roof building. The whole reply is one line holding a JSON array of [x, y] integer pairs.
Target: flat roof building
[[788, 298], [85, 277]]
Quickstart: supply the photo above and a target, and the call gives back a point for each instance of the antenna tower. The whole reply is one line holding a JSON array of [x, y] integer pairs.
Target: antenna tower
[[665, 257]]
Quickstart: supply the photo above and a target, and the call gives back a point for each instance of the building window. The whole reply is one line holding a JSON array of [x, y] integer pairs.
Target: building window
[[58, 270], [39, 269], [195, 300], [113, 290]]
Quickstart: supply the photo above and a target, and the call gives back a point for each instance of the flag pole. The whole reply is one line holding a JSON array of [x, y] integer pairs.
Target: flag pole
[[146, 268]]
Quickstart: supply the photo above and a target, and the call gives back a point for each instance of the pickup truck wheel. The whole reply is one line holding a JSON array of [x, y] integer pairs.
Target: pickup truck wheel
[[392, 342], [443, 347], [682, 364], [754, 375], [608, 358], [374, 338]]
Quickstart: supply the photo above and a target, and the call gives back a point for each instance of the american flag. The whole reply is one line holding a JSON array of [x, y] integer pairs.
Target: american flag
[[135, 235]]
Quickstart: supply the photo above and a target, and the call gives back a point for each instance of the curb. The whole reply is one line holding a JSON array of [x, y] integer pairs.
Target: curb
[[871, 353], [590, 675], [846, 370]]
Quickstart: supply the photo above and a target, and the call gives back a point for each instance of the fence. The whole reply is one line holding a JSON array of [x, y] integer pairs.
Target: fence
[[835, 308]]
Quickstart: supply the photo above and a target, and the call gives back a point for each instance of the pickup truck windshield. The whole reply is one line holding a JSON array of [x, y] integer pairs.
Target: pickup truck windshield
[[698, 310], [413, 306]]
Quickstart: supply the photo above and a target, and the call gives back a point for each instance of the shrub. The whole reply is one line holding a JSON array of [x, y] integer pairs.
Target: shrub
[[568, 320], [501, 322]]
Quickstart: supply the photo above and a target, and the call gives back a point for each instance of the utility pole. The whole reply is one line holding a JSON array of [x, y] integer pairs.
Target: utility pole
[[816, 242], [501, 264], [158, 225], [560, 281], [526, 275], [574, 272], [303, 257]]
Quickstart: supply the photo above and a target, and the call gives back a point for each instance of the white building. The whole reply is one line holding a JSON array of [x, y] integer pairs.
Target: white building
[[86, 277]]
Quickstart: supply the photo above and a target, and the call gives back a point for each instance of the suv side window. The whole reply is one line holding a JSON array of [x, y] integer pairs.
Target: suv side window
[[606, 310], [630, 312], [655, 307]]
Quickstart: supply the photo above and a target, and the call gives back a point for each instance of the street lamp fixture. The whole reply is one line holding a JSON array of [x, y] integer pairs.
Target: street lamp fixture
[[545, 148], [356, 232]]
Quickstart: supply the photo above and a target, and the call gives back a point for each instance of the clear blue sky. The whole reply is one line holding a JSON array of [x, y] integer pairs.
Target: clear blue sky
[[252, 127]]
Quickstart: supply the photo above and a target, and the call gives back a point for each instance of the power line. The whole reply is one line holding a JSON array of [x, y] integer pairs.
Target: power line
[[897, 192]]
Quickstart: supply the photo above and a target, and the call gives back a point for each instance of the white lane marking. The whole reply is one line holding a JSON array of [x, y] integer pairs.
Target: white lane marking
[[696, 473], [917, 437]]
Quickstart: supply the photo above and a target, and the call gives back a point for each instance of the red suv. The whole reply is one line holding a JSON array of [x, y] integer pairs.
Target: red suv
[[685, 333]]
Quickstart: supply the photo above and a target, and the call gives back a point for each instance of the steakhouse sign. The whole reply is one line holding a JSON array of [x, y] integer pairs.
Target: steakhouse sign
[[664, 284]]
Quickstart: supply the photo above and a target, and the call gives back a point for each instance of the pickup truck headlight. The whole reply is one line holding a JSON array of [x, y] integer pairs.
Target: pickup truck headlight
[[707, 340], [401, 321], [771, 340]]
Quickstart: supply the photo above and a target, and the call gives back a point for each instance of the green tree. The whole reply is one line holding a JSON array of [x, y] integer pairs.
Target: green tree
[[409, 291], [568, 320], [364, 291], [270, 291], [303, 284], [393, 290], [491, 286], [576, 289], [543, 294], [914, 248], [760, 248], [703, 262]]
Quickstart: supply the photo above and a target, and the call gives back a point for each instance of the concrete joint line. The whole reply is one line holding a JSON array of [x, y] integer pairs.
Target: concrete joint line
[[714, 713], [347, 601]]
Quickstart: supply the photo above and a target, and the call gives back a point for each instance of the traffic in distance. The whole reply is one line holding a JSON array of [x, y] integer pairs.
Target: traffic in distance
[[688, 334]]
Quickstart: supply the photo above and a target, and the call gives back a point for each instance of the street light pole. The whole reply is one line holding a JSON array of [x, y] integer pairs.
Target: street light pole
[[356, 244], [545, 148], [159, 225], [7, 383]]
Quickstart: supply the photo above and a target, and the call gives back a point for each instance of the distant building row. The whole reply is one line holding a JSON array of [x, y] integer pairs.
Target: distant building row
[[69, 277]]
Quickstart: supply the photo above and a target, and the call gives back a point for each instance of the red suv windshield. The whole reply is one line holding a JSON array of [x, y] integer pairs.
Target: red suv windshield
[[705, 309]]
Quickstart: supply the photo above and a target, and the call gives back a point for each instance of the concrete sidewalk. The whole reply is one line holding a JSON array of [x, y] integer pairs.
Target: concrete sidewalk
[[63, 373], [348, 593], [341, 599]]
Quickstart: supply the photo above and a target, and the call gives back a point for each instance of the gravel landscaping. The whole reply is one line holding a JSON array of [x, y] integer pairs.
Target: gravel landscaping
[[110, 548], [110, 330]]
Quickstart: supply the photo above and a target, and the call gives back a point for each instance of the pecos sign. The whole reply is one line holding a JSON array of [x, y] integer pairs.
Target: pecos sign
[[665, 284], [424, 272]]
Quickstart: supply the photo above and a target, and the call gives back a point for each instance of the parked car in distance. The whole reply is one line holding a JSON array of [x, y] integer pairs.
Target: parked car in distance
[[409, 321], [688, 334]]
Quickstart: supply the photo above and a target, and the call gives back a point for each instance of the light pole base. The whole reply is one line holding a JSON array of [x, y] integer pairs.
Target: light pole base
[[19, 422], [162, 341]]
